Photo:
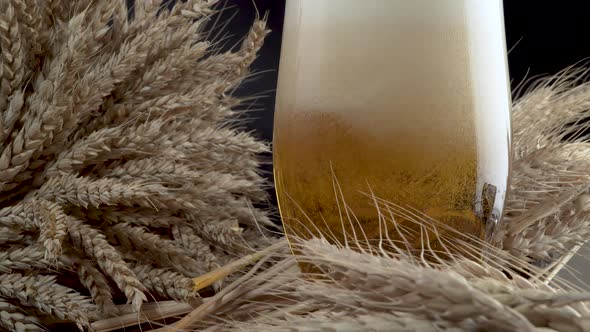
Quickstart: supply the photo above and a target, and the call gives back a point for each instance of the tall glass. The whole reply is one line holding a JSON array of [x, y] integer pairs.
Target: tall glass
[[407, 100]]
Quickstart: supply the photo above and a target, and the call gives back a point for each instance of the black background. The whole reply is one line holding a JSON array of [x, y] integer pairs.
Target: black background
[[544, 37]]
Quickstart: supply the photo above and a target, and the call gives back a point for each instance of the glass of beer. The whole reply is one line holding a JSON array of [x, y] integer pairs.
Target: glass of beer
[[406, 100]]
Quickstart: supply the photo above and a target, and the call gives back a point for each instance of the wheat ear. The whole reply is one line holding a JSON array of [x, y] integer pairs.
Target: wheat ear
[[324, 321], [169, 255], [86, 192], [54, 228], [12, 54], [165, 283], [186, 237], [43, 293], [14, 318], [98, 286], [26, 258], [96, 246], [139, 216]]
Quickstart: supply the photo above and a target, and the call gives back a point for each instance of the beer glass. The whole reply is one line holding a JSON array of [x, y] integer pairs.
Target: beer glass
[[408, 100]]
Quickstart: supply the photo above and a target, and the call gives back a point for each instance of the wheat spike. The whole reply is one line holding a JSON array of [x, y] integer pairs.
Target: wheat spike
[[231, 66], [11, 114], [165, 71], [53, 98], [95, 246], [13, 54], [448, 294], [235, 68], [195, 247], [169, 255], [550, 174], [120, 24], [54, 228], [81, 153], [28, 16], [154, 39], [27, 258], [11, 235], [325, 321], [138, 217], [165, 283], [355, 283], [45, 294], [13, 318], [98, 286], [85, 192], [218, 228], [22, 215]]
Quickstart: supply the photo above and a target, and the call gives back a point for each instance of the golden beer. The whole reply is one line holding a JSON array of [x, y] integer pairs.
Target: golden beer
[[406, 100]]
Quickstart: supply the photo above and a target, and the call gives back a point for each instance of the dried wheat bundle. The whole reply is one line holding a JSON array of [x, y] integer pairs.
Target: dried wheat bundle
[[124, 171], [505, 284]]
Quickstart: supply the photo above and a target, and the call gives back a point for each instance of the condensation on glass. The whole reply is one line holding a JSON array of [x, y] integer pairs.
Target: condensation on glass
[[408, 100]]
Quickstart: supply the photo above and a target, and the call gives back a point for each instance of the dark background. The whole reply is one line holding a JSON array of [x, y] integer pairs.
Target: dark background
[[544, 37]]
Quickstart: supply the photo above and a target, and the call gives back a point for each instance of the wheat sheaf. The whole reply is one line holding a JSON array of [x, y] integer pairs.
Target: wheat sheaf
[[124, 168]]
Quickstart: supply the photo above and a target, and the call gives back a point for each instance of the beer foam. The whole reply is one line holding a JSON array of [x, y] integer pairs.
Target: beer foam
[[377, 55]]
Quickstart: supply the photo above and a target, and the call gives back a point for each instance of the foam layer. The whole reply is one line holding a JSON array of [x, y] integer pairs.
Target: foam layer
[[387, 55]]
